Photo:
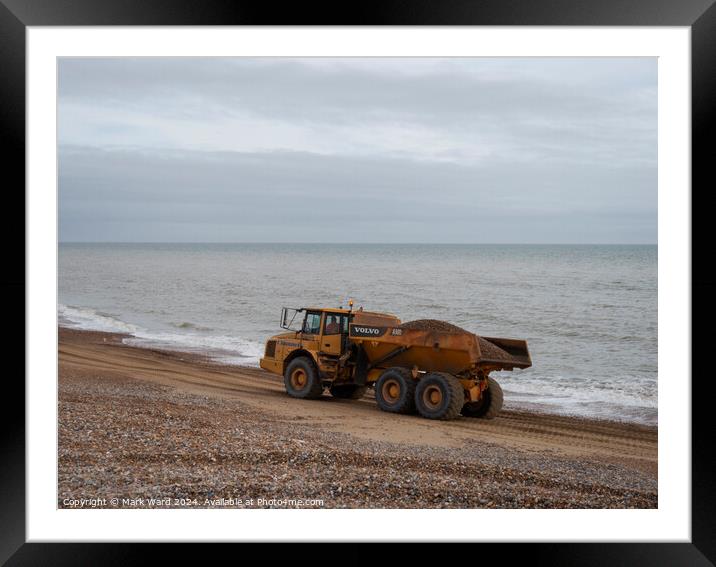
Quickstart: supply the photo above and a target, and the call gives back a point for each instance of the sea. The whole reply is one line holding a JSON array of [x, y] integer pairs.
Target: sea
[[587, 312]]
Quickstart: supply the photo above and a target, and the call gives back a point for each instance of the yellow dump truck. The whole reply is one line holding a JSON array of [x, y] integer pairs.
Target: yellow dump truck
[[428, 366]]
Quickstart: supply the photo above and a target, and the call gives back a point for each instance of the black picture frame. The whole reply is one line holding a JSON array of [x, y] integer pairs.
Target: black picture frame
[[699, 15]]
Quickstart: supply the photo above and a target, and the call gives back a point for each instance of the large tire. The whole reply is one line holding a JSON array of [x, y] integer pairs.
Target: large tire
[[302, 380], [348, 391], [439, 396], [489, 405], [395, 391]]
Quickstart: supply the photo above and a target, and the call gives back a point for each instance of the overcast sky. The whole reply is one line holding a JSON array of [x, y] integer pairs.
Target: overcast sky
[[528, 150]]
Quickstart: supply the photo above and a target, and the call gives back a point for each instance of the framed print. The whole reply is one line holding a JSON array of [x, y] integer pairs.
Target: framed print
[[429, 271]]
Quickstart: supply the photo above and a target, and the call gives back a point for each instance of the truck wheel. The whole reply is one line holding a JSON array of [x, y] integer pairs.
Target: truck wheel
[[489, 405], [348, 391], [395, 391], [439, 396], [301, 379]]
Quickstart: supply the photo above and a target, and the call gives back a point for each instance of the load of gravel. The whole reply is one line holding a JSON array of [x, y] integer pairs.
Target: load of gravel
[[489, 350], [433, 325], [492, 351]]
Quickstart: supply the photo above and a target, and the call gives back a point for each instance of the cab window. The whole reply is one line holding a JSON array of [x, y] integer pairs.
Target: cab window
[[312, 323], [335, 324]]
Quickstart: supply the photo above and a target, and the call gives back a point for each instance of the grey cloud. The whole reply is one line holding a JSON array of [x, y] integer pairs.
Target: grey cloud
[[534, 109], [293, 89], [134, 195], [369, 150]]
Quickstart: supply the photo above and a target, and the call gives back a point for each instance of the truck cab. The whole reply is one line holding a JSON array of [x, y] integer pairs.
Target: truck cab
[[320, 333], [328, 328]]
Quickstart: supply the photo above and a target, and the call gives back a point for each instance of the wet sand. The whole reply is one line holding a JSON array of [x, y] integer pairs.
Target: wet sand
[[142, 424]]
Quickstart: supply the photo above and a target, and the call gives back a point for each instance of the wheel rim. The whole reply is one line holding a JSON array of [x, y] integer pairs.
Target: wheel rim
[[432, 397], [299, 379], [391, 391]]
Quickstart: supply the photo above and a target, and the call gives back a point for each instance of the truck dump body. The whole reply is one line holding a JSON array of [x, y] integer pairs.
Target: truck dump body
[[437, 346]]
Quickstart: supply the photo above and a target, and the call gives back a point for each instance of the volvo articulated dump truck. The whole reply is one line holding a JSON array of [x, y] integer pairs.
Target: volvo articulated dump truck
[[428, 366]]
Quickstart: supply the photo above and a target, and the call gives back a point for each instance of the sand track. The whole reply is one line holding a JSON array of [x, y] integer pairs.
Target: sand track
[[630, 445]]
